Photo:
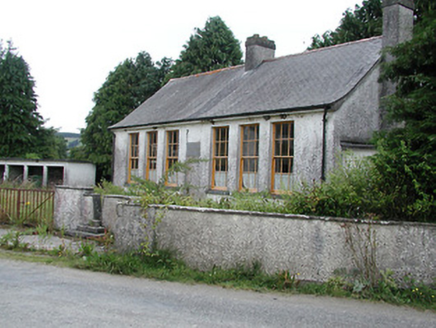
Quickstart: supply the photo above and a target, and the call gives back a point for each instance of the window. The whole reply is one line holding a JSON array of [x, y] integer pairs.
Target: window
[[220, 157], [283, 156], [249, 157], [133, 155], [150, 170], [172, 157]]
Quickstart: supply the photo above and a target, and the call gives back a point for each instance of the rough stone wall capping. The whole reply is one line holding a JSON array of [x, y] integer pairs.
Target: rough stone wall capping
[[290, 216]]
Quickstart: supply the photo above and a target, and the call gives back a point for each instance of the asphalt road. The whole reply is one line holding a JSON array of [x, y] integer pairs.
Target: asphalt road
[[38, 295]]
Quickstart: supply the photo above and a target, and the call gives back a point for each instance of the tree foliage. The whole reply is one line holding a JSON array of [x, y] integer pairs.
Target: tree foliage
[[210, 48], [364, 22], [125, 88], [407, 154], [135, 80], [22, 133]]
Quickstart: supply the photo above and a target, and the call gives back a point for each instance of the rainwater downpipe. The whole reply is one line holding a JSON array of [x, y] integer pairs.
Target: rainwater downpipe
[[324, 141]]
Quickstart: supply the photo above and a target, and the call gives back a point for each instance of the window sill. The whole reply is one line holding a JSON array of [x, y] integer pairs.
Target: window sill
[[218, 192]]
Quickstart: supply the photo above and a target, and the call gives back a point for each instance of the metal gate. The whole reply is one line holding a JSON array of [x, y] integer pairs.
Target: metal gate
[[28, 207]]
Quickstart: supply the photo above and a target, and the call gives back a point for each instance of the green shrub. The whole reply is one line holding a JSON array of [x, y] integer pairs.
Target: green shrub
[[348, 192], [404, 180], [108, 188]]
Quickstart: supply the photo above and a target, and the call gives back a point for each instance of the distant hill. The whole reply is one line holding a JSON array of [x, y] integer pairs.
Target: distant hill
[[69, 135], [73, 139]]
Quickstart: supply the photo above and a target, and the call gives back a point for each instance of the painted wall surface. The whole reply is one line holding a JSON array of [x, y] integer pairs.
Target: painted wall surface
[[307, 149], [79, 174], [356, 119], [120, 158], [75, 174]]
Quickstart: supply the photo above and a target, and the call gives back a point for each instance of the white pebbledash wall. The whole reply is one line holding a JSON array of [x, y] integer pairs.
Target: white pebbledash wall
[[313, 246], [307, 148]]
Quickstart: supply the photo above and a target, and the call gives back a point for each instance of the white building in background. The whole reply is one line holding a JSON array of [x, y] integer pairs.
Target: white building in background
[[48, 172]]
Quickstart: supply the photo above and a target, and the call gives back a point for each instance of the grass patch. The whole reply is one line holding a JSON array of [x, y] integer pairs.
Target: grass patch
[[161, 265]]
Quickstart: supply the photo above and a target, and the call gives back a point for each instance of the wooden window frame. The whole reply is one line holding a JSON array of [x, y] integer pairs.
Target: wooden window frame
[[151, 152], [244, 157], [170, 158], [220, 144], [275, 158], [133, 154]]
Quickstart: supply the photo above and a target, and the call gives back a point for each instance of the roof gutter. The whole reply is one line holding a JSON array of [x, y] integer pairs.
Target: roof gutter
[[231, 116]]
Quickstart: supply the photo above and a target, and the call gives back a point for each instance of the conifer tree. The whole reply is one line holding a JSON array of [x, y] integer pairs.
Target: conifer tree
[[131, 83], [210, 48], [407, 154], [364, 22], [22, 133]]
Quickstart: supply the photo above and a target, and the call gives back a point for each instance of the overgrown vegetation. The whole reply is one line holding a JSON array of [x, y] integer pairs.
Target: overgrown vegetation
[[407, 154], [360, 190]]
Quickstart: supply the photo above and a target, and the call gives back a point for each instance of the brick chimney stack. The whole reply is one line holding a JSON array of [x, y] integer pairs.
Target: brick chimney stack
[[258, 49]]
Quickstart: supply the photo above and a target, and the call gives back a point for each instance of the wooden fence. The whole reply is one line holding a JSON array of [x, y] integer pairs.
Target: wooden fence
[[28, 207]]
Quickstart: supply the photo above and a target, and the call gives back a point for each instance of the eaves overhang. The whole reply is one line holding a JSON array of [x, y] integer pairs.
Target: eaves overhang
[[212, 118]]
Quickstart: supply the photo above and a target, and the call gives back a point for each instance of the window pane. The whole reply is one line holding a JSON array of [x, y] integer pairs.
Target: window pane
[[151, 173], [172, 155], [249, 181], [285, 148], [152, 164], [249, 157], [285, 131], [282, 160], [220, 154]]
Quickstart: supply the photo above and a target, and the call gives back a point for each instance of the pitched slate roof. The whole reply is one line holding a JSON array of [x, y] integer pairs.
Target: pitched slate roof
[[308, 80]]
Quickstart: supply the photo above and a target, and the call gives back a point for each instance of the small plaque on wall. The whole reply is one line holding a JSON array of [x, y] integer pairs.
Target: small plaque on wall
[[193, 150]]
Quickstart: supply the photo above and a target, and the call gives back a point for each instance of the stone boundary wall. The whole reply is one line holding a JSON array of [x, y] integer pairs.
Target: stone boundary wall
[[314, 247], [72, 206]]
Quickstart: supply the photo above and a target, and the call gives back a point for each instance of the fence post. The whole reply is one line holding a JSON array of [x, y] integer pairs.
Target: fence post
[[18, 204]]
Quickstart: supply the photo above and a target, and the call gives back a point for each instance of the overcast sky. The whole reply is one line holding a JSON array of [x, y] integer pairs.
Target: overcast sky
[[71, 46]]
